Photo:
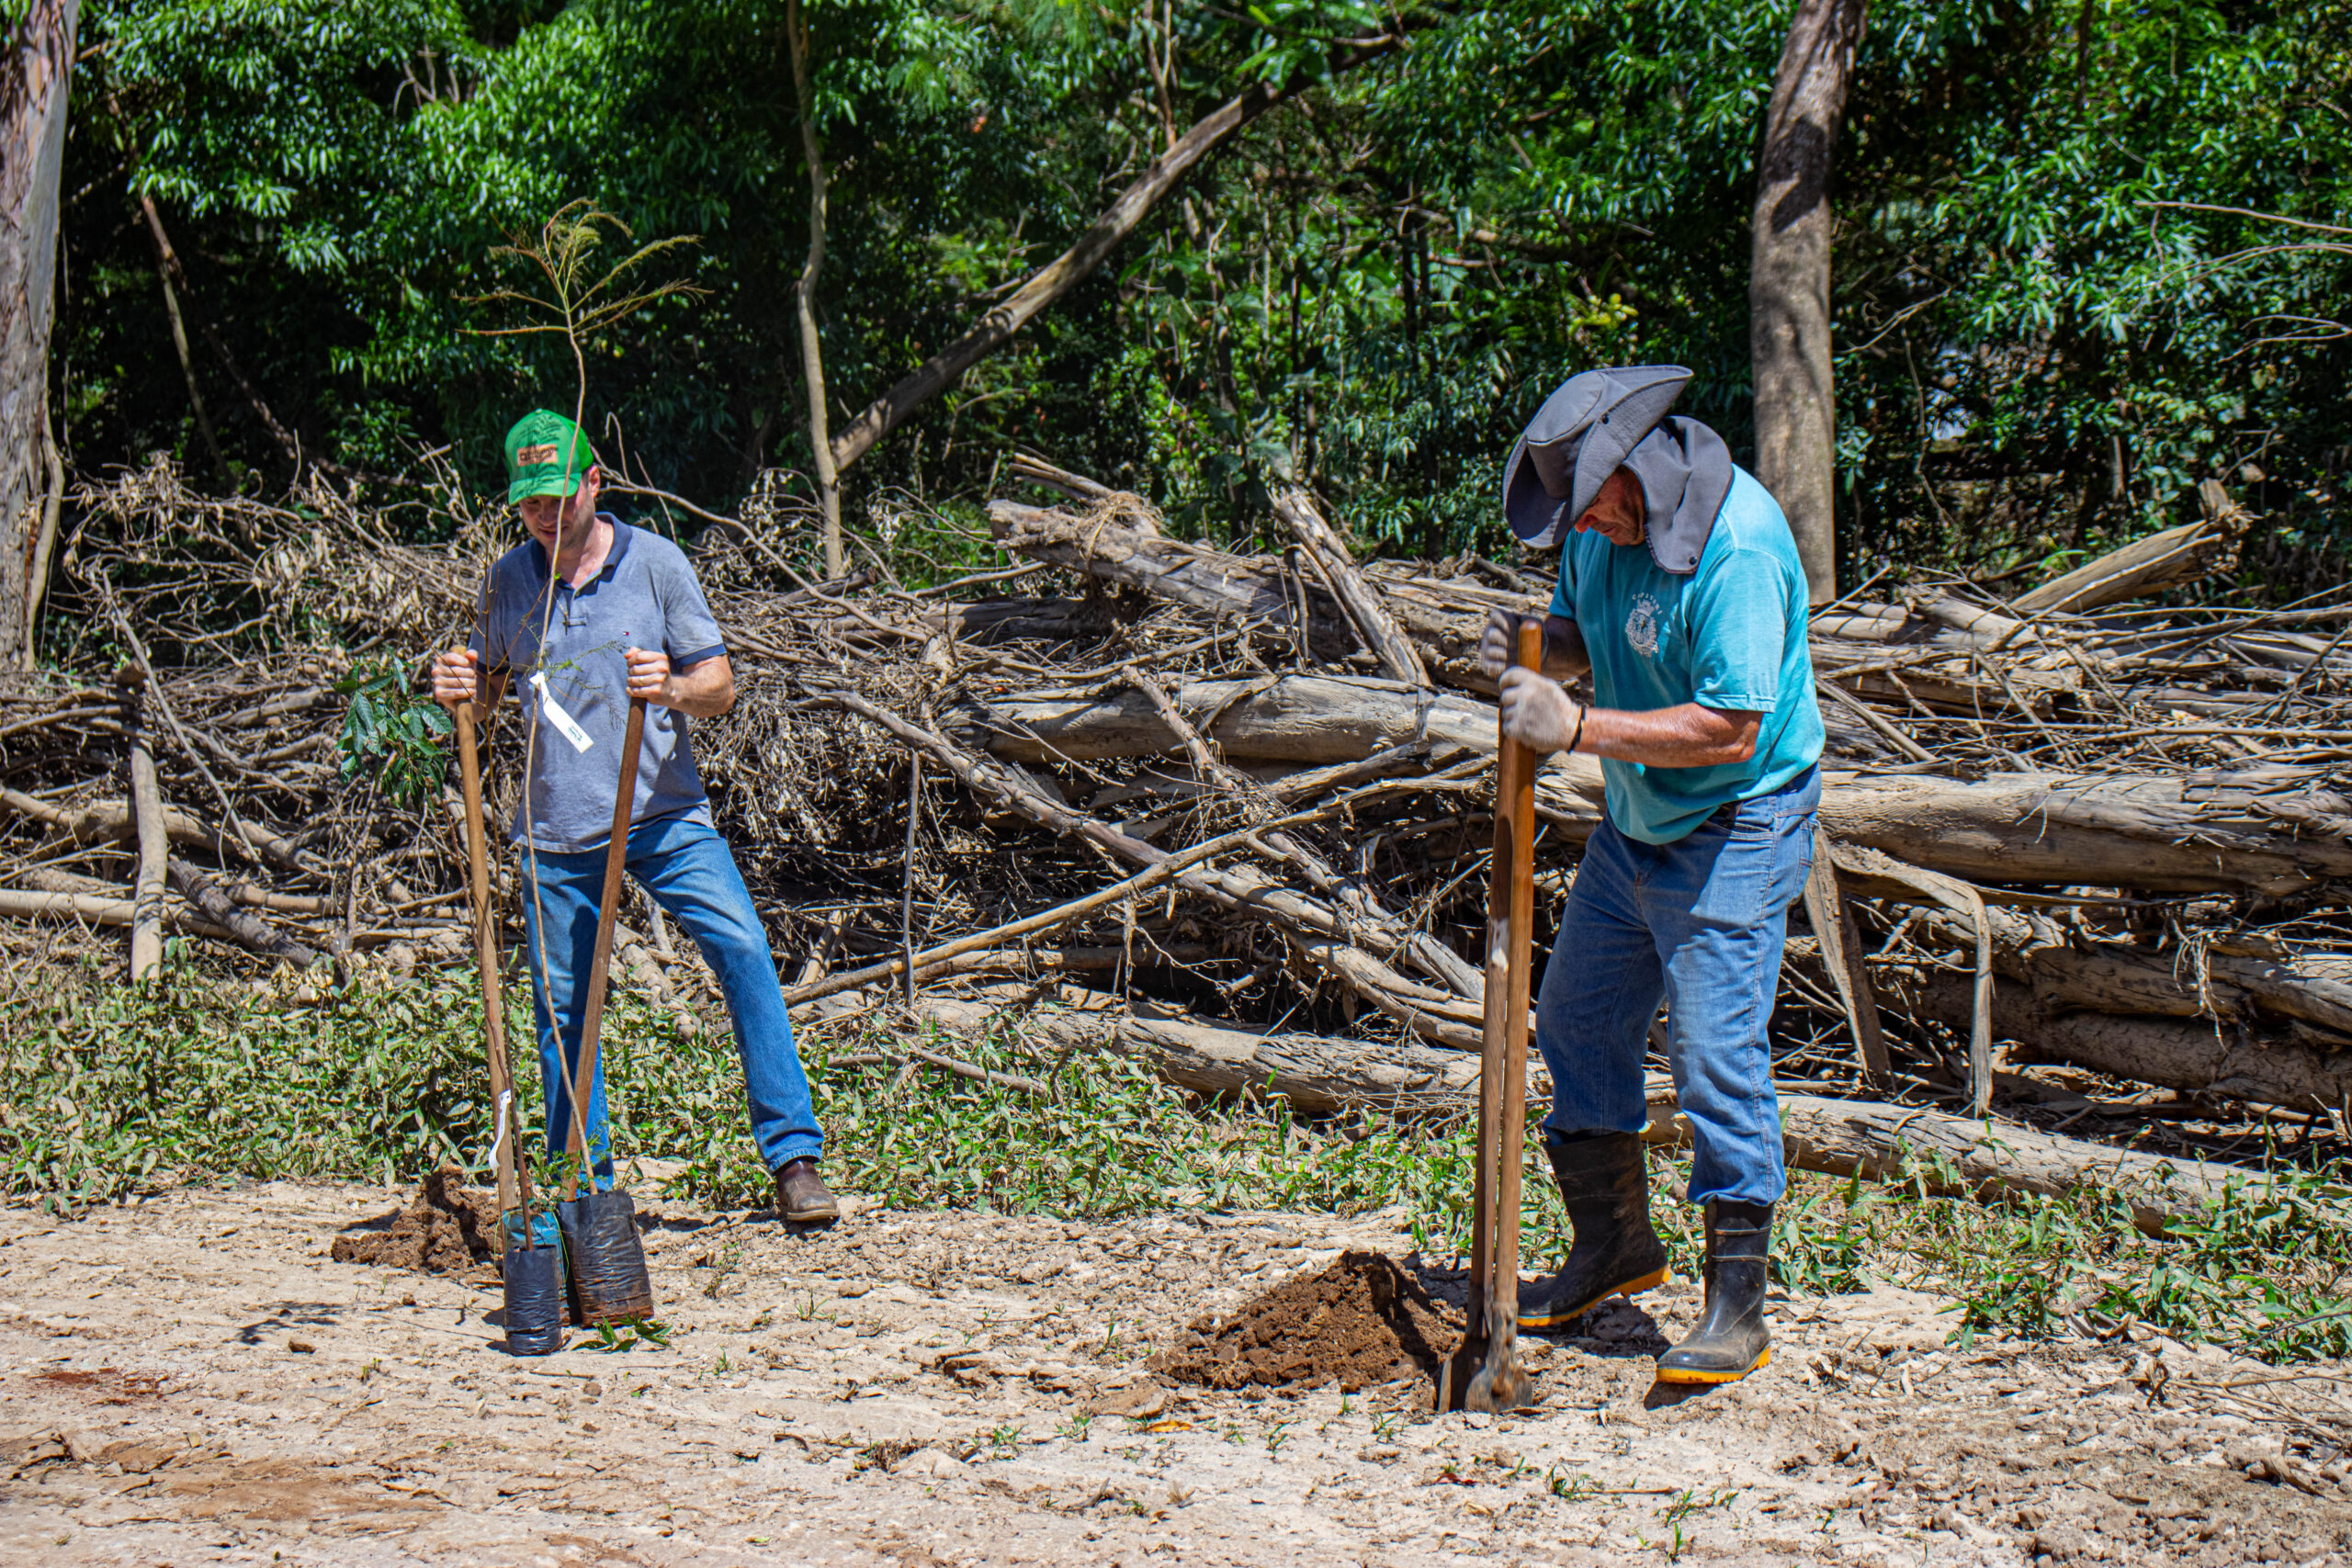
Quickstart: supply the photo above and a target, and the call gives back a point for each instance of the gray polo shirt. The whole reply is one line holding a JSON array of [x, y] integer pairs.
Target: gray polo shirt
[[644, 596]]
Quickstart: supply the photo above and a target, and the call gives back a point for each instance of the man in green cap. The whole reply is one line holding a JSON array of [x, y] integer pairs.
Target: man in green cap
[[591, 612]]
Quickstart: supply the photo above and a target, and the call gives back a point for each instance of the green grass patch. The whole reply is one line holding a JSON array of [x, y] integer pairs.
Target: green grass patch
[[107, 1090]]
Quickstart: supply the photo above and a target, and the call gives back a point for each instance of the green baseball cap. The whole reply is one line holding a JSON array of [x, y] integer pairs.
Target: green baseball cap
[[545, 454]]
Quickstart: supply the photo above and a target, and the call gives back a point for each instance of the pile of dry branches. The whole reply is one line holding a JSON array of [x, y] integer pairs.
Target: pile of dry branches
[[1250, 796]]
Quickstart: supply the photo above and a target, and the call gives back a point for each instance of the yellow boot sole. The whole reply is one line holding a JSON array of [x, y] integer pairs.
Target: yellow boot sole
[[1551, 1318], [1691, 1375]]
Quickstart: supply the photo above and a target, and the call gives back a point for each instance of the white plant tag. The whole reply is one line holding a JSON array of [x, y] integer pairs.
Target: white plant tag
[[568, 725], [499, 1141]]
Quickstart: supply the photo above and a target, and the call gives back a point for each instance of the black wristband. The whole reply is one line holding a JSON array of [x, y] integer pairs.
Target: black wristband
[[1578, 736]]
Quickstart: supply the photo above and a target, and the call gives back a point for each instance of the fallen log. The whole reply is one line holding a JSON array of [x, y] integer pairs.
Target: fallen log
[[1317, 1075], [147, 826], [1317, 931], [97, 911], [113, 821], [2144, 565], [218, 905], [1421, 628], [1221, 588], [1284, 718], [1960, 1156], [2193, 1057], [2246, 829], [1950, 1155], [2117, 978], [1375, 625]]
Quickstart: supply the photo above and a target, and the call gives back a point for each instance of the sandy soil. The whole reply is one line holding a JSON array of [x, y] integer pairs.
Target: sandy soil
[[193, 1379]]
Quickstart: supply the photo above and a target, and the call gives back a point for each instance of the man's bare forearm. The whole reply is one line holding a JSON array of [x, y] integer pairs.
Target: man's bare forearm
[[1685, 736], [704, 690], [1564, 657]]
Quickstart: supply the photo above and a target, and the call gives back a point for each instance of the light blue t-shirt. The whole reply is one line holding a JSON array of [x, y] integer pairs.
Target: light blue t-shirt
[[1731, 635], [645, 595]]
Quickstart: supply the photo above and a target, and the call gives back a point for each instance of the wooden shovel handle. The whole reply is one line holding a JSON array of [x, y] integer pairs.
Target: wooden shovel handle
[[512, 1190], [1503, 1065], [608, 907], [1514, 889]]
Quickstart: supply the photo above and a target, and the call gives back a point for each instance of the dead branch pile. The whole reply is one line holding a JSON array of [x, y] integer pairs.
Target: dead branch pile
[[1253, 792]]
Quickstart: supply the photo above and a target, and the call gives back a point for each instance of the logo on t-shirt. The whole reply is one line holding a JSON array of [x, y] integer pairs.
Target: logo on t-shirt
[[1641, 626]]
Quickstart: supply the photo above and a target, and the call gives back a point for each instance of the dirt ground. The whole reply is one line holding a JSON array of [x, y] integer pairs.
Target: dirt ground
[[193, 1378]]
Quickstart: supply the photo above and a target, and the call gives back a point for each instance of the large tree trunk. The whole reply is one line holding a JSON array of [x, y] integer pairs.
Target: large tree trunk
[[812, 358], [1788, 289], [33, 82]]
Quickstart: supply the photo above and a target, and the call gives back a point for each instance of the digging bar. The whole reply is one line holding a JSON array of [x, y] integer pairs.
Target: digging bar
[[592, 1021], [1501, 1382], [514, 1185]]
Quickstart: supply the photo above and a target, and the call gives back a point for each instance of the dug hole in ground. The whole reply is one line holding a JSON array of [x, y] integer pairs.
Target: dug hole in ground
[[297, 1373]]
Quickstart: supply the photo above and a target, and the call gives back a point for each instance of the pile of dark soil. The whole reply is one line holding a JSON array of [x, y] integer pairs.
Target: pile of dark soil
[[446, 1230], [1360, 1321]]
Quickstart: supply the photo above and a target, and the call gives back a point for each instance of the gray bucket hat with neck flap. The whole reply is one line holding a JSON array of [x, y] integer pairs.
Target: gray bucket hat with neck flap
[[1598, 422]]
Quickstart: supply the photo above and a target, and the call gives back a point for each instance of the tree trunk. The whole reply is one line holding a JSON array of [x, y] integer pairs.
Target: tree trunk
[[812, 359], [33, 84], [173, 314], [1788, 289]]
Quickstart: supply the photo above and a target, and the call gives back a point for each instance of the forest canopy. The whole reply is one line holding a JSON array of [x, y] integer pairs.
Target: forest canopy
[[2061, 297]]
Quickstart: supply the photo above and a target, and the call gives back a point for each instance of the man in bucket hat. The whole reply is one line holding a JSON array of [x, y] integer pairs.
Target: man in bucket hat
[[1681, 593], [591, 612]]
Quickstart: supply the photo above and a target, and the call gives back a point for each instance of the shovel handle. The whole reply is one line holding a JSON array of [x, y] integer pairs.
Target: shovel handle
[[1503, 1065], [512, 1189], [1514, 892], [608, 907]]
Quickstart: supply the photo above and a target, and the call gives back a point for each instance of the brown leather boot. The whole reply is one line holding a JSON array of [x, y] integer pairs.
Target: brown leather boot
[[801, 1196]]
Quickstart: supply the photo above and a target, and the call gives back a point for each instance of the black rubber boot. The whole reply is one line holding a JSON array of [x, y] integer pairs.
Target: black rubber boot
[[1731, 1340], [1606, 1186]]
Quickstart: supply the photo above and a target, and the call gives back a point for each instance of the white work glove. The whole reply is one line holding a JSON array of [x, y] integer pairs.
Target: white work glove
[[1500, 643], [1538, 712]]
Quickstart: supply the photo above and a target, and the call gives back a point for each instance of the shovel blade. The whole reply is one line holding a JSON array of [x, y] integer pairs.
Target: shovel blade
[[1501, 1382]]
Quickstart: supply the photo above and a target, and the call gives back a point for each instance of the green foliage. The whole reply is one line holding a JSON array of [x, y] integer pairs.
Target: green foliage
[[106, 1090], [391, 734], [1369, 290], [630, 1332], [107, 1087], [1810, 1255]]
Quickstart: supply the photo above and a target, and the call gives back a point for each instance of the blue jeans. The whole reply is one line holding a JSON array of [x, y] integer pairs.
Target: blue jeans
[[1699, 924], [687, 869]]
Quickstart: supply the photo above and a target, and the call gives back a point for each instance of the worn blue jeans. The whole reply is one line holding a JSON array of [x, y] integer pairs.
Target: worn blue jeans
[[688, 870], [1699, 924]]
